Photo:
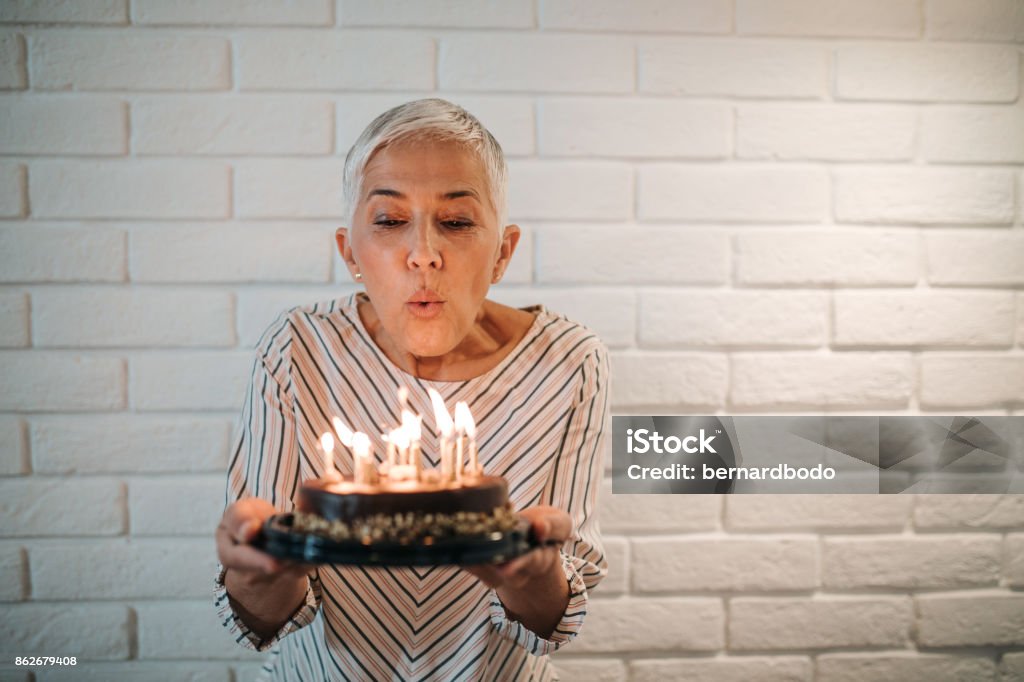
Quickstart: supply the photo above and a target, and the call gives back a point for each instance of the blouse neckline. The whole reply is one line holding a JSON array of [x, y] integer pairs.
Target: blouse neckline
[[539, 312]]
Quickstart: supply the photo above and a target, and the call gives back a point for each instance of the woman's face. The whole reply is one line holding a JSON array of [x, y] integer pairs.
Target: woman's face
[[426, 239]]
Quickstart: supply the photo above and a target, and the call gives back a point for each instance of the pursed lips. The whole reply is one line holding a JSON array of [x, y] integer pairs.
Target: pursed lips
[[425, 304]]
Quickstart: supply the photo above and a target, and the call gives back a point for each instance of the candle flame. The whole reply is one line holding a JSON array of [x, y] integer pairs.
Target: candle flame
[[327, 442], [399, 437], [403, 396], [412, 425], [344, 433], [441, 416], [361, 444], [464, 419]]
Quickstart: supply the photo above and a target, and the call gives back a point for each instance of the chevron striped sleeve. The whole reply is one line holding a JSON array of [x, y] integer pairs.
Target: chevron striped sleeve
[[542, 419]]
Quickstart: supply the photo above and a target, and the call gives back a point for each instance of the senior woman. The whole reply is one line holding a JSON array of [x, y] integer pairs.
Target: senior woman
[[426, 186]]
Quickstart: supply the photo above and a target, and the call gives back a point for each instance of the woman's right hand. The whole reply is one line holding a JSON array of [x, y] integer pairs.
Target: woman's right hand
[[238, 527]]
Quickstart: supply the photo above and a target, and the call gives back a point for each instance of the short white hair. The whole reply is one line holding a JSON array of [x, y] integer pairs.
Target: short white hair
[[427, 119]]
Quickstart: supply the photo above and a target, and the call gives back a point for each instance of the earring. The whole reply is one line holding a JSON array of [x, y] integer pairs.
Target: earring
[[358, 276]]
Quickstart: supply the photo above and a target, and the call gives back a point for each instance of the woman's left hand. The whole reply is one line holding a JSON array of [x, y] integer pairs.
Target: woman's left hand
[[547, 523]]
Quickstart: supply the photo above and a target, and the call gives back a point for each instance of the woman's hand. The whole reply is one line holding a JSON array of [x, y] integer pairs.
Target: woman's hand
[[238, 527], [532, 587], [547, 523]]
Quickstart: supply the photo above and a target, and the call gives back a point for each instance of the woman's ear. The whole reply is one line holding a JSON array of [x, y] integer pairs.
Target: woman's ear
[[345, 249], [509, 241]]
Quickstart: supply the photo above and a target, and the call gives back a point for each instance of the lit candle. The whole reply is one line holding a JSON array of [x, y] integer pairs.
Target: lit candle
[[412, 425], [469, 426], [363, 465], [445, 427], [327, 444], [390, 439], [344, 433], [461, 413]]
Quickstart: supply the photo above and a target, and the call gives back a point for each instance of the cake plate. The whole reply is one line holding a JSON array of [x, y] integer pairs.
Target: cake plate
[[280, 539]]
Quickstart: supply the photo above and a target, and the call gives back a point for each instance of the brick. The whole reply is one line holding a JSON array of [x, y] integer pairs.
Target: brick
[[333, 60], [89, 632], [832, 18], [609, 312], [286, 188], [51, 507], [738, 68], [935, 73], [816, 512], [966, 381], [238, 125], [130, 189], [972, 618], [659, 16], [60, 382], [908, 667], [136, 569], [836, 257], [616, 552], [13, 72], [670, 379], [593, 126], [62, 12], [201, 380], [999, 20], [217, 252], [128, 444], [570, 190], [112, 317], [81, 124], [719, 669], [12, 673], [233, 13], [662, 624], [924, 196], [973, 134], [12, 190], [258, 307], [1012, 667], [13, 569], [437, 14], [1014, 560], [13, 319], [656, 254], [734, 194], [63, 252], [818, 623], [198, 502], [977, 257], [589, 670], [968, 511], [825, 132], [544, 63], [910, 562], [733, 318], [108, 60], [730, 565], [924, 318], [141, 671], [13, 446], [632, 514], [848, 380], [509, 118], [168, 628]]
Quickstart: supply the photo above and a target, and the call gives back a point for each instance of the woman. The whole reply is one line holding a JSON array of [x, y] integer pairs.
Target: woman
[[426, 187]]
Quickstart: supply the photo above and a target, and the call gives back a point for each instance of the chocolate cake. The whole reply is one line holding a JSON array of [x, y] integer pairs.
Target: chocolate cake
[[408, 511]]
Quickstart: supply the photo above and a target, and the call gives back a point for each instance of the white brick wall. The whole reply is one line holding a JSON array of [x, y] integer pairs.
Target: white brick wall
[[759, 205]]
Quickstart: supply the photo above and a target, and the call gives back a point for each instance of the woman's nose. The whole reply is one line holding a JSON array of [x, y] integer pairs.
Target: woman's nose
[[424, 252]]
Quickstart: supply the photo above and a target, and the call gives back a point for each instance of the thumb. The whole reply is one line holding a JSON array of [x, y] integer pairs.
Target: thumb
[[247, 530]]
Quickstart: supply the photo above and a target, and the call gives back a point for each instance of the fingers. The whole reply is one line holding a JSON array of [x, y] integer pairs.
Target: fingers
[[239, 526], [549, 523]]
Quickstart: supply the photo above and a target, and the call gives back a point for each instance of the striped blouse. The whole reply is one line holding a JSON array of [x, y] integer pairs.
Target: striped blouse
[[542, 418]]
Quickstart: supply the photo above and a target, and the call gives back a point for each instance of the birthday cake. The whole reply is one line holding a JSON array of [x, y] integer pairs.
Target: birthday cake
[[400, 501], [406, 512]]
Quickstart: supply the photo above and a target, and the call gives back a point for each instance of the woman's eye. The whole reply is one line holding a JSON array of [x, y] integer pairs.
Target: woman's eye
[[458, 224], [387, 222]]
